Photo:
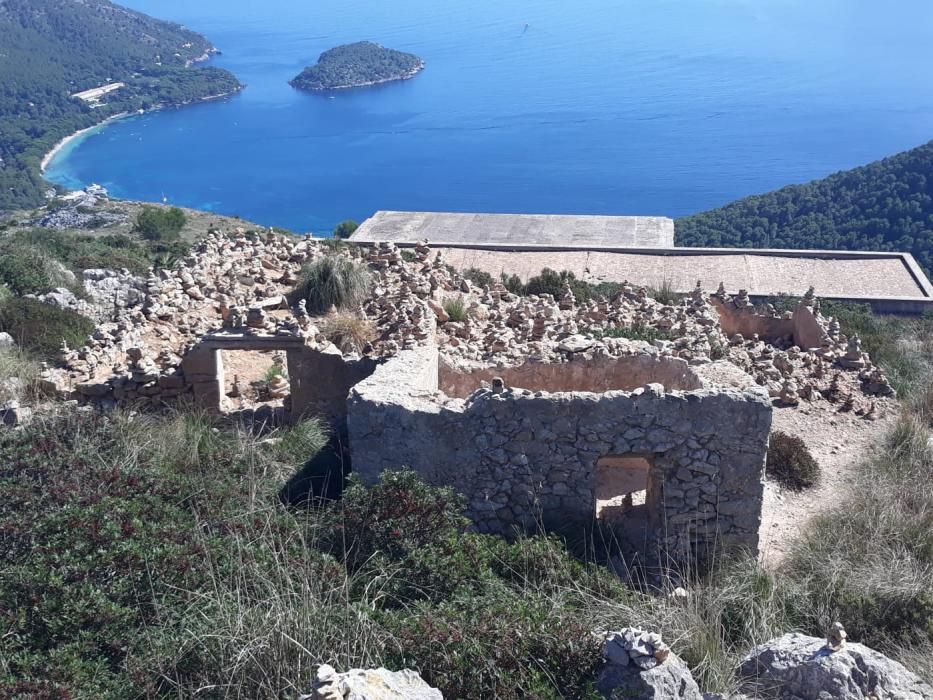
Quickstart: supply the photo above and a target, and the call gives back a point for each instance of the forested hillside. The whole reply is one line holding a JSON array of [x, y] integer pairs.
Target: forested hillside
[[887, 205], [362, 63], [51, 49]]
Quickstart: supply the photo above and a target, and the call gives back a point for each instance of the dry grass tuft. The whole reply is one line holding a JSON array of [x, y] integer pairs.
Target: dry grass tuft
[[348, 331]]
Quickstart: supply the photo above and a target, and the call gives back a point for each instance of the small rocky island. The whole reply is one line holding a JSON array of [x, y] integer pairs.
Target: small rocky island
[[357, 65]]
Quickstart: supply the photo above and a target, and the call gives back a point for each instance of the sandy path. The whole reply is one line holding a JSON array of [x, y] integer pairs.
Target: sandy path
[[838, 441]]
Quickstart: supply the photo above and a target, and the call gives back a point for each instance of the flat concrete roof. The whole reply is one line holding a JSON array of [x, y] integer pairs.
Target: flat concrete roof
[[516, 229], [889, 282]]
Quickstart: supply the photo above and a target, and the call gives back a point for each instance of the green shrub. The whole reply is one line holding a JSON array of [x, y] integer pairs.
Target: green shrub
[[480, 278], [456, 309], [345, 229], [513, 283], [552, 282], [333, 280], [790, 462], [41, 328], [80, 252], [637, 331], [159, 223], [549, 282], [24, 272], [507, 644], [398, 516]]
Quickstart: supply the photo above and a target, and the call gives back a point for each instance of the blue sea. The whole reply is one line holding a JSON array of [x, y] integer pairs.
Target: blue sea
[[663, 107]]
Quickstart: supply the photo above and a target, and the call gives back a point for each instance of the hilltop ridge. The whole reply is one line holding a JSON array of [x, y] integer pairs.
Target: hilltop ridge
[[886, 205], [55, 49]]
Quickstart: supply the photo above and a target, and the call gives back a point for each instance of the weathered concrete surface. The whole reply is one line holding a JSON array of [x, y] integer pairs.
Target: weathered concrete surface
[[522, 456], [597, 375], [439, 228]]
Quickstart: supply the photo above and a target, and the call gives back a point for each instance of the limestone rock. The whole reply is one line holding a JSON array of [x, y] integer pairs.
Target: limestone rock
[[370, 684], [639, 665], [798, 666], [576, 343], [13, 414]]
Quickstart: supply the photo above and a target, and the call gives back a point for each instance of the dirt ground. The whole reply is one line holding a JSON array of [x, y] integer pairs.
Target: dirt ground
[[839, 441]]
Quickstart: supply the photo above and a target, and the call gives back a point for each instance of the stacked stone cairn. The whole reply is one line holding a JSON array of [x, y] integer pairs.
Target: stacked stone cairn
[[238, 282], [638, 664]]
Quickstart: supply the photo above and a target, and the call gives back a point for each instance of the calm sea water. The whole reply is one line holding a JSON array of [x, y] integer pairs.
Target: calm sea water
[[593, 106]]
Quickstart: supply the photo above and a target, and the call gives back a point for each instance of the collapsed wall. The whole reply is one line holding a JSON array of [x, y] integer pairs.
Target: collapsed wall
[[522, 457]]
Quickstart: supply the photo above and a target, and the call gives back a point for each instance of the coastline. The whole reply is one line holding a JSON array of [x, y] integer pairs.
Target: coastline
[[408, 76], [56, 149], [48, 157]]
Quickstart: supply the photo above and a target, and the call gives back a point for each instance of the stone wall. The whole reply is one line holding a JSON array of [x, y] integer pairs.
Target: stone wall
[[800, 328], [521, 456]]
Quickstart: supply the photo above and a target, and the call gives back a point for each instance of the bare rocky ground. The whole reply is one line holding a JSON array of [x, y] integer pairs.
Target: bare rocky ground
[[839, 441], [120, 216]]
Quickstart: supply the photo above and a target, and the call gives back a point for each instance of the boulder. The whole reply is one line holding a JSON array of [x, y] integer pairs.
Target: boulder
[[13, 414], [796, 666], [638, 665], [6, 341], [370, 684]]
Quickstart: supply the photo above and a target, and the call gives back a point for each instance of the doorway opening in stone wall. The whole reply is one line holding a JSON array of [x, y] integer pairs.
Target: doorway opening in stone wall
[[627, 496], [253, 381]]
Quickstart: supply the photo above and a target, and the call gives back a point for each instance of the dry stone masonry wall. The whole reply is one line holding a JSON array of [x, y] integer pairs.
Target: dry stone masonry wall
[[524, 457]]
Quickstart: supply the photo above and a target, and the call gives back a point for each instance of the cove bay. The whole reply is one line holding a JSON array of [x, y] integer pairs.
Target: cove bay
[[596, 107]]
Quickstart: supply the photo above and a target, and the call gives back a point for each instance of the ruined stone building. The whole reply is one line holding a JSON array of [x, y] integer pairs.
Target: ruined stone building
[[651, 417]]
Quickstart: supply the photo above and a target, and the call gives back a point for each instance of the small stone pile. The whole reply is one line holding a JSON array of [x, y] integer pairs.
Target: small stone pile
[[638, 664]]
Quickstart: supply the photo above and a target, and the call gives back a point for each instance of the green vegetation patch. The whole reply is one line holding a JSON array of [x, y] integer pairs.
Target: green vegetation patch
[[40, 328], [333, 280], [345, 229], [887, 205], [160, 223], [353, 65]]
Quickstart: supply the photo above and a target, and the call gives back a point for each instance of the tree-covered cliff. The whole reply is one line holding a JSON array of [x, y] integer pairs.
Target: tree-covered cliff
[[353, 65], [51, 49], [887, 205]]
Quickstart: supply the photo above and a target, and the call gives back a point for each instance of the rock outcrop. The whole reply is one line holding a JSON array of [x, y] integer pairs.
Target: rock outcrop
[[370, 684], [638, 665], [796, 666]]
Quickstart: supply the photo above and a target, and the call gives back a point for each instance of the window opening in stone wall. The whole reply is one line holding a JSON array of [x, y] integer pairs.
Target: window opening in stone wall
[[623, 488]]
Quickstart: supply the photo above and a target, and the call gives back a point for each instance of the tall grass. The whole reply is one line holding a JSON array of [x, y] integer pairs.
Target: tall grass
[[348, 331], [333, 280], [19, 376], [868, 560], [456, 309], [665, 293]]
